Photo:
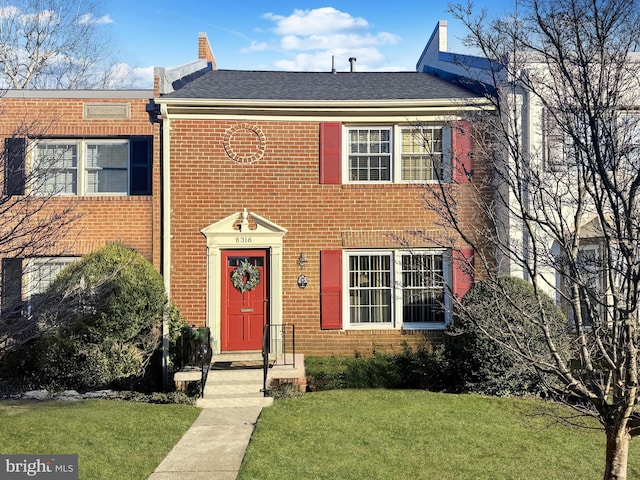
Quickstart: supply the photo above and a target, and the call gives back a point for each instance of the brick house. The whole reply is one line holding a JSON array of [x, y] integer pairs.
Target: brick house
[[294, 198], [95, 153], [287, 198]]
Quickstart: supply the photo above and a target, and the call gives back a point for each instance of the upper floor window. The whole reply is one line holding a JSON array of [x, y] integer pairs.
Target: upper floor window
[[422, 154], [395, 153], [80, 166], [558, 146], [370, 154]]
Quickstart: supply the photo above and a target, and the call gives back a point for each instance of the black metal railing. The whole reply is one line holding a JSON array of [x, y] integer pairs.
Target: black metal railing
[[196, 351], [277, 340]]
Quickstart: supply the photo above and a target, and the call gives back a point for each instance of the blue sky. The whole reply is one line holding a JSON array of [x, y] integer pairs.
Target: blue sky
[[283, 35]]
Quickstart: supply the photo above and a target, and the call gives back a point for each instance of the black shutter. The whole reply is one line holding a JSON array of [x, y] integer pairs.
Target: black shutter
[[11, 288], [141, 149], [15, 149]]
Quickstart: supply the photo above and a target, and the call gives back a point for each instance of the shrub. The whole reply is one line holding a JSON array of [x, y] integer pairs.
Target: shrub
[[480, 364], [408, 369], [104, 316]]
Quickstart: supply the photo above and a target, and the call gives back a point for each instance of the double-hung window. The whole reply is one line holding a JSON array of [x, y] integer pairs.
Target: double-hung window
[[370, 154], [421, 154], [395, 153], [117, 166], [423, 288], [398, 153], [370, 288], [25, 281], [395, 289], [44, 270], [56, 164], [591, 285], [81, 167]]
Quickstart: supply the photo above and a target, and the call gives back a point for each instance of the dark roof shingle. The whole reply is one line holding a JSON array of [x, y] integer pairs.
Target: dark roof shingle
[[321, 86]]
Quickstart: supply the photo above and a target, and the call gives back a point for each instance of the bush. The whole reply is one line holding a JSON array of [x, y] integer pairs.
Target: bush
[[408, 369], [103, 316], [477, 363]]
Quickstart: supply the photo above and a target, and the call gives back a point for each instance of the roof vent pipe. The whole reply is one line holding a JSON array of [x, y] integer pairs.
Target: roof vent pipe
[[333, 64], [352, 61]]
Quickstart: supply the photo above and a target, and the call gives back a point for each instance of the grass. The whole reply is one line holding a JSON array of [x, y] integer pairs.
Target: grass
[[113, 439], [400, 434]]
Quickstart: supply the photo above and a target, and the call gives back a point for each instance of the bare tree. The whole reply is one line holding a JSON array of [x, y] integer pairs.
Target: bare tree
[[564, 146], [34, 218], [59, 44]]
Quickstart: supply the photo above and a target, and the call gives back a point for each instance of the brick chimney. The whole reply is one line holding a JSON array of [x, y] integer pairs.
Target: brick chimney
[[204, 50]]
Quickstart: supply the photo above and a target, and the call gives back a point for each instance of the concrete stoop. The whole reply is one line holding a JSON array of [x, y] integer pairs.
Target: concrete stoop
[[234, 388]]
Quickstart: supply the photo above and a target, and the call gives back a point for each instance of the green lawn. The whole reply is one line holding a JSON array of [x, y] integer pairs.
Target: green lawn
[[114, 439], [410, 434]]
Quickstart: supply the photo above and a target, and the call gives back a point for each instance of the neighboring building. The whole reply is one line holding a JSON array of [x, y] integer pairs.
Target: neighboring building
[[97, 161], [550, 156], [295, 198]]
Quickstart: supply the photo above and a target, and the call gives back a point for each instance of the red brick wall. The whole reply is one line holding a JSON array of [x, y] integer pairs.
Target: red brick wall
[[135, 220], [284, 188]]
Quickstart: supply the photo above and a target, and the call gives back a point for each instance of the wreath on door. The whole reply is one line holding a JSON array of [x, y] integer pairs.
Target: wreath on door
[[245, 277]]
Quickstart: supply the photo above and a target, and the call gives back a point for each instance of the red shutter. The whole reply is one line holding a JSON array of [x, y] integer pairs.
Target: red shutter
[[462, 161], [331, 153], [462, 272], [331, 289]]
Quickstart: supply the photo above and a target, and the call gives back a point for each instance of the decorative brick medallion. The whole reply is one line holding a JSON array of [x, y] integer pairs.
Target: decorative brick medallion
[[244, 143]]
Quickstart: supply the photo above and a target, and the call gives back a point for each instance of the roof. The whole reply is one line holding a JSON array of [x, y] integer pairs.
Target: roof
[[281, 85]]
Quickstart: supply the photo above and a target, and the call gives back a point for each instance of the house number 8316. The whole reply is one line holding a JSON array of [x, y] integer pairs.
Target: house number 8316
[[244, 239]]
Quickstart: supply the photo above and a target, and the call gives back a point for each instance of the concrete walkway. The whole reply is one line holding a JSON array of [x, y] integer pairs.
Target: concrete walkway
[[214, 446]]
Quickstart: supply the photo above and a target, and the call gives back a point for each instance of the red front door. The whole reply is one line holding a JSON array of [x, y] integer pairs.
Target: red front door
[[244, 299]]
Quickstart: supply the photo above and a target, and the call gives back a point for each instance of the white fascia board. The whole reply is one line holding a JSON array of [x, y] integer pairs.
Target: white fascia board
[[84, 94]]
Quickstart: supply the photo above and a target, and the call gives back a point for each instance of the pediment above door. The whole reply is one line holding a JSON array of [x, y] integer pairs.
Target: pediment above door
[[243, 230]]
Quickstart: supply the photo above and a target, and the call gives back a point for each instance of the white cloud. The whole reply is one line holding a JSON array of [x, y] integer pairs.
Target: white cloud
[[311, 37], [43, 17], [367, 59], [88, 18], [317, 21], [123, 75], [256, 47], [9, 12], [352, 40]]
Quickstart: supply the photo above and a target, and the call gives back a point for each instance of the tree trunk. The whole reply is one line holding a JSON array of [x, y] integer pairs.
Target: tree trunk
[[617, 455]]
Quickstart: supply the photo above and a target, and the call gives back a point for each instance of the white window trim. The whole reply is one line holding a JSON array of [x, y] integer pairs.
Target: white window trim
[[82, 170], [396, 298], [346, 170], [396, 153]]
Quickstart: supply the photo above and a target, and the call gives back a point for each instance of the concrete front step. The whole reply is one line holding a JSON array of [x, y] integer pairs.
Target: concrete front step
[[235, 390], [241, 401]]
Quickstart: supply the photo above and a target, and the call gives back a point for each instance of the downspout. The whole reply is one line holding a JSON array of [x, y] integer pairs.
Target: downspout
[[166, 233]]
